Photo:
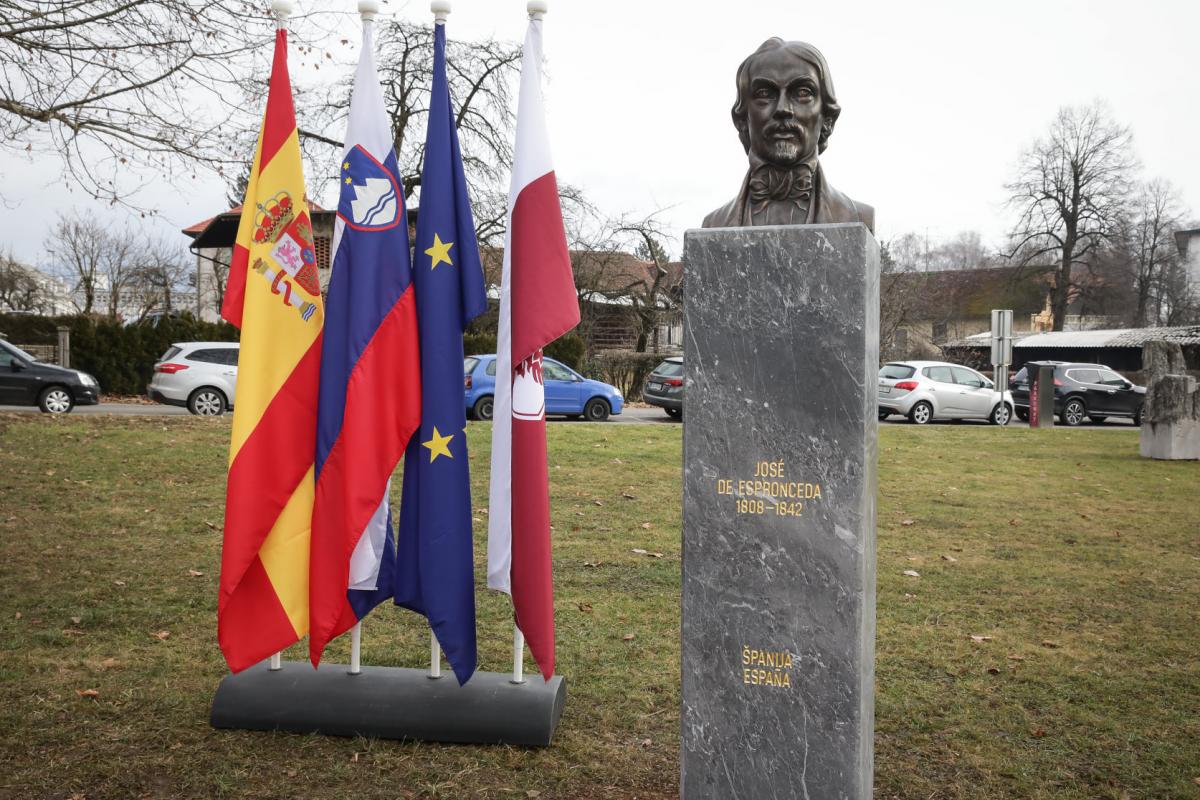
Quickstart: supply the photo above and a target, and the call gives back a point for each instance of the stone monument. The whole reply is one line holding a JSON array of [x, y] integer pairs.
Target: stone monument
[[781, 357], [1171, 415]]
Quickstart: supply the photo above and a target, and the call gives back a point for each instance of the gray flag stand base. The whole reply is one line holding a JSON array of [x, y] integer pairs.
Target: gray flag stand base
[[391, 703]]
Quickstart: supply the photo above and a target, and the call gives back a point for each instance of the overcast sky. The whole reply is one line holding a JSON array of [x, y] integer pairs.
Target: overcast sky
[[938, 100]]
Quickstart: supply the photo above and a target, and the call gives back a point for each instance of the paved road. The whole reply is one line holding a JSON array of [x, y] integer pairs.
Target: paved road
[[628, 415], [645, 416]]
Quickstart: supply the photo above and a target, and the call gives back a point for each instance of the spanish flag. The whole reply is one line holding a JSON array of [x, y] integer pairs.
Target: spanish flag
[[274, 296]]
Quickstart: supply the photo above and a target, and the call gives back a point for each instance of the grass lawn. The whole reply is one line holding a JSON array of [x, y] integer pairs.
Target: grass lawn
[[1074, 562]]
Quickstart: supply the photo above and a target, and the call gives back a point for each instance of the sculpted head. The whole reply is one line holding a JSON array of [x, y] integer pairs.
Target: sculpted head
[[786, 106]]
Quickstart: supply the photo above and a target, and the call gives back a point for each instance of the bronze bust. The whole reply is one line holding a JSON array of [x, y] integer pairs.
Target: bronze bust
[[784, 114]]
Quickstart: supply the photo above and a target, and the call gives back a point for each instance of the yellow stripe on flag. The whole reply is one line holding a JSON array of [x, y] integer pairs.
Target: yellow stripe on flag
[[284, 554]]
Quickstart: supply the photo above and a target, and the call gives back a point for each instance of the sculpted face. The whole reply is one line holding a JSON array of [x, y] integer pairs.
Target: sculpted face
[[784, 113]]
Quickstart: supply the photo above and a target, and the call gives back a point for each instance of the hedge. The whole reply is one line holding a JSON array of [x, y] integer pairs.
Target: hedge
[[121, 357], [568, 348], [625, 369]]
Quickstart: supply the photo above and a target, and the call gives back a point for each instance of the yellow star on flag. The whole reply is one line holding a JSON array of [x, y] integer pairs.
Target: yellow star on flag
[[440, 252], [439, 445], [347, 180], [346, 165]]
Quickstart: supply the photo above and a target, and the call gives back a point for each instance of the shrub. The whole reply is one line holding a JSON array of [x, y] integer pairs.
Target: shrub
[[624, 369], [479, 344], [568, 349]]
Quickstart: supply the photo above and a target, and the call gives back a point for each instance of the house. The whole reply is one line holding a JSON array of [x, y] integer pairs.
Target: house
[[1118, 349]]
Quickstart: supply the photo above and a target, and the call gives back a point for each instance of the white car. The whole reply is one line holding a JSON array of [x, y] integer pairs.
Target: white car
[[200, 376], [927, 390]]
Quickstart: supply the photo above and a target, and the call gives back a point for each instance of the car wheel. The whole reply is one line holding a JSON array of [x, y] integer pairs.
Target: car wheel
[[1137, 416], [596, 410], [674, 413], [1023, 416], [1097, 418], [206, 402], [56, 400], [1073, 412], [884, 415], [921, 413], [484, 407], [1001, 414]]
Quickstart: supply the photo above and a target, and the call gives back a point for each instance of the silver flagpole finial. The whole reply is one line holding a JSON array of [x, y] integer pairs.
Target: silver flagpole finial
[[441, 10], [283, 9], [537, 8]]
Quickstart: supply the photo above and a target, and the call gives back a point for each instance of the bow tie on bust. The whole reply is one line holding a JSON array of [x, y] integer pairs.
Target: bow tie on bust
[[771, 184]]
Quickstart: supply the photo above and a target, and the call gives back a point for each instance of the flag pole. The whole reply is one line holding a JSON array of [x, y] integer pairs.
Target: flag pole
[[518, 675], [356, 648], [435, 656], [283, 10]]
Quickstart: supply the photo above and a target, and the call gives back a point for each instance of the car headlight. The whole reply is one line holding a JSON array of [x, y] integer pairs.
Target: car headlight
[[86, 380]]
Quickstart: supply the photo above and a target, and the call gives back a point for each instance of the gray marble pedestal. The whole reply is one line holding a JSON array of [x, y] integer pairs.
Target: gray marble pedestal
[[781, 338]]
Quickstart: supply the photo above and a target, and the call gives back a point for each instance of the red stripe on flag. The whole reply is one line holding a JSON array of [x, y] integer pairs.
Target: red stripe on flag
[[267, 469], [532, 583], [235, 287], [383, 409], [544, 303], [280, 118], [252, 624]]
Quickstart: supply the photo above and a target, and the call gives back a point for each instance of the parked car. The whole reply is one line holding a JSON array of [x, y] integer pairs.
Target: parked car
[[1091, 391], [927, 390], [567, 392], [200, 376], [664, 387], [25, 381]]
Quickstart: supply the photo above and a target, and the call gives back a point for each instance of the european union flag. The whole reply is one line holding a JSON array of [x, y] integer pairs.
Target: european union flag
[[435, 568]]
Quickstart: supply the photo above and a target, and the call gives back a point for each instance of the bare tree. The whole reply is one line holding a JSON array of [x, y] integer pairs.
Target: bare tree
[[1069, 194], [109, 84], [76, 248], [160, 274], [1150, 251], [20, 289]]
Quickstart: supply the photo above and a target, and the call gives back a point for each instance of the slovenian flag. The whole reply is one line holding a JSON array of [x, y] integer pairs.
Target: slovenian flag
[[435, 570], [538, 304], [274, 296], [370, 400]]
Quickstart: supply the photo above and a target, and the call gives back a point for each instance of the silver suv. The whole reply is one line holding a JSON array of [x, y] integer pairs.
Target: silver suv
[[928, 390], [201, 376]]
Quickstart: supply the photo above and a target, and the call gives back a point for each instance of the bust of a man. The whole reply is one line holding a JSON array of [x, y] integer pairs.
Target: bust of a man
[[785, 112]]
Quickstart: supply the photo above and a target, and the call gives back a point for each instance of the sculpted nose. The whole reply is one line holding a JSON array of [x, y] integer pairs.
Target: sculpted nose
[[783, 108]]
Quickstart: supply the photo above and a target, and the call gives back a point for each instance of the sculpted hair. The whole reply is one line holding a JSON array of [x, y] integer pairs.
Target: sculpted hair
[[805, 52]]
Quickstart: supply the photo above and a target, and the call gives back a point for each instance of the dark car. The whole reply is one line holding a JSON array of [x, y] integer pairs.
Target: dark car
[[664, 387], [25, 381], [1083, 391]]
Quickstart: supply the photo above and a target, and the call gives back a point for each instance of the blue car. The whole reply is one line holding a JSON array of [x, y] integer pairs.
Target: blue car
[[567, 392]]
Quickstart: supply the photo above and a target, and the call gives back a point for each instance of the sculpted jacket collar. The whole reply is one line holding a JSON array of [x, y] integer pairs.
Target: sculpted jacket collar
[[829, 205]]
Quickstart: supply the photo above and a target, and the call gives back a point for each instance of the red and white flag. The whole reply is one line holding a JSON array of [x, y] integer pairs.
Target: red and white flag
[[537, 305]]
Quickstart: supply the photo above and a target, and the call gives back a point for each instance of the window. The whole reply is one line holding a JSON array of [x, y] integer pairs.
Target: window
[[939, 374], [556, 372], [214, 356], [229, 356], [669, 369], [491, 368], [1084, 375], [900, 339], [1110, 378], [171, 353], [896, 372], [939, 331], [6, 359], [469, 365], [966, 377]]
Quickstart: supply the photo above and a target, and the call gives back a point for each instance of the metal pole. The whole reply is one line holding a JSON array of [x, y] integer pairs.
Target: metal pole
[[356, 649], [435, 657], [276, 664], [518, 675]]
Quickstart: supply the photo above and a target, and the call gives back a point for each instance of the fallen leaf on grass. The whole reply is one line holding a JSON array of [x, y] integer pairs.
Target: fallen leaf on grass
[[533, 793], [1014, 522], [912, 573], [109, 663], [975, 638], [17, 615], [354, 758], [1048, 643], [87, 692], [627, 637], [598, 502], [49, 473], [628, 496], [77, 620], [646, 742], [161, 635], [585, 607], [951, 559], [617, 461], [592, 563], [118, 583], [907, 522], [195, 573], [646, 526], [993, 670], [1015, 657], [956, 549], [1038, 733], [650, 553]]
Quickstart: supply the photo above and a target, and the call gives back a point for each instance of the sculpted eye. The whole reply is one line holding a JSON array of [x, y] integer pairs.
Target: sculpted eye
[[805, 93], [762, 93]]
